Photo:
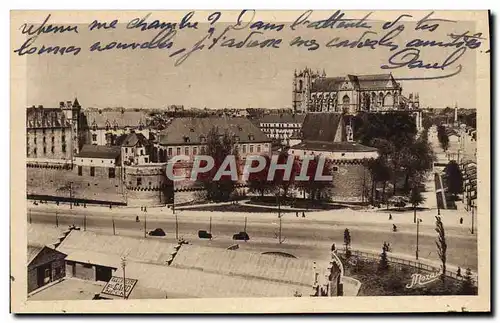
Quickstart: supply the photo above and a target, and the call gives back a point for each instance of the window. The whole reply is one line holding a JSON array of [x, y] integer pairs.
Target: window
[[79, 170], [43, 139], [335, 169], [178, 150], [111, 172], [63, 147], [195, 150], [126, 150], [139, 181], [34, 151], [186, 151], [63, 138], [146, 159], [186, 139], [203, 150], [258, 148], [251, 148], [34, 140], [203, 139], [44, 150], [28, 151], [43, 131], [244, 149], [92, 171], [170, 151], [52, 139], [52, 149], [94, 137]]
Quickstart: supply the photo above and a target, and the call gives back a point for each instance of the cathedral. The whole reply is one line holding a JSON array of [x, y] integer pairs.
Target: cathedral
[[315, 92]]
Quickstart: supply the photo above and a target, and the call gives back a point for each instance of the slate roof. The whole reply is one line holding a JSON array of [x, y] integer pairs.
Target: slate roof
[[282, 118], [322, 127], [132, 140], [40, 117], [43, 235], [360, 82], [104, 152], [193, 129], [117, 118], [333, 146]]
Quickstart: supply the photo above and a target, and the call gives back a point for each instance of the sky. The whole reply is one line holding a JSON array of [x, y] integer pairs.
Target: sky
[[229, 77]]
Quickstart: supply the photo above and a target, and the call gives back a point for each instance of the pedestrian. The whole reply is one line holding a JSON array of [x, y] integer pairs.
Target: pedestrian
[[297, 214], [57, 203], [390, 216], [333, 247], [137, 218], [142, 208], [85, 205], [145, 210], [110, 207], [461, 220], [303, 214]]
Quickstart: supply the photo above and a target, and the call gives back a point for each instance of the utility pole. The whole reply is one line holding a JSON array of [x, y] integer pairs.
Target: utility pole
[[472, 209], [416, 252], [279, 237], [84, 222], [210, 227], [124, 264], [113, 220], [144, 225], [177, 228], [29, 214], [71, 195], [245, 228], [57, 220]]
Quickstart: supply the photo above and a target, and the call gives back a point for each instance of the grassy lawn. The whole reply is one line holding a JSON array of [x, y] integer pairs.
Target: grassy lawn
[[394, 281]]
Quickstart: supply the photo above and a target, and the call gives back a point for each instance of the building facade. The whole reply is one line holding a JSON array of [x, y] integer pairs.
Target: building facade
[[49, 134], [45, 265], [315, 92], [281, 127]]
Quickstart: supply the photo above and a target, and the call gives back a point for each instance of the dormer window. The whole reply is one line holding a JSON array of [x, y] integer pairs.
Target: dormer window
[[186, 139], [236, 138], [203, 139], [240, 128], [107, 125], [191, 130], [251, 137], [115, 126]]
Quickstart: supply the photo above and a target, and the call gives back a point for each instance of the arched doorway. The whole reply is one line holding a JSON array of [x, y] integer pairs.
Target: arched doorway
[[389, 100]]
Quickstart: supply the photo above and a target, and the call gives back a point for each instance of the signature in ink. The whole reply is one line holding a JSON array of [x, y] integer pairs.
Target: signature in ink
[[410, 58]]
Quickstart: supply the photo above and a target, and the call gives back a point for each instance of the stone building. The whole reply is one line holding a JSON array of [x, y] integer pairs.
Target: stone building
[[281, 127], [49, 133], [188, 136], [315, 92], [327, 135], [135, 148]]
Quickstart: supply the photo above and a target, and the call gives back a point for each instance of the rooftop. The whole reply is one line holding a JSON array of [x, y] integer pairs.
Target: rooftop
[[44, 235], [333, 146], [104, 152], [363, 82], [132, 139], [120, 118], [40, 117], [68, 289], [190, 130], [282, 118], [323, 127]]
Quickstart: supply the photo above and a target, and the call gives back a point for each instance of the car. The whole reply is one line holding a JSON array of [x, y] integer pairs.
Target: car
[[241, 236], [203, 234], [158, 232]]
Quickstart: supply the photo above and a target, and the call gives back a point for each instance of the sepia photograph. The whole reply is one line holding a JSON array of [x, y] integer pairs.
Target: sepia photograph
[[311, 161]]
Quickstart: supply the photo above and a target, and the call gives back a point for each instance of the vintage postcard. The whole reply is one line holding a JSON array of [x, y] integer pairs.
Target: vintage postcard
[[250, 161]]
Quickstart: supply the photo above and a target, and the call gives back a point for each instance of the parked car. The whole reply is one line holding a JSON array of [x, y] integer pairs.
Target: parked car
[[241, 236], [203, 234], [158, 232]]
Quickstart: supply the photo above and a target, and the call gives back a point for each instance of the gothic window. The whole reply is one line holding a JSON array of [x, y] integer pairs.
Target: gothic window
[[63, 147], [380, 99], [374, 99], [94, 137], [300, 85], [389, 100], [107, 125], [345, 100], [52, 149]]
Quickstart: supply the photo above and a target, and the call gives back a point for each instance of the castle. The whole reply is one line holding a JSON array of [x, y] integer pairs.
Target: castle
[[315, 92]]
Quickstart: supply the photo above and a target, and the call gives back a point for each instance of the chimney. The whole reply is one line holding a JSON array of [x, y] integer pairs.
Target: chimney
[[61, 104]]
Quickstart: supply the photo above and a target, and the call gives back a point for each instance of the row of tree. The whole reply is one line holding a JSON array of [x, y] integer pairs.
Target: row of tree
[[443, 138]]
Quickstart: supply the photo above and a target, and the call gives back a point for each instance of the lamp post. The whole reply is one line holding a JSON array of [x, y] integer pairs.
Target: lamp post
[[124, 264], [71, 195], [416, 251], [472, 209]]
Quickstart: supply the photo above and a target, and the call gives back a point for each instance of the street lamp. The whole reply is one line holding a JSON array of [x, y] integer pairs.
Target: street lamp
[[124, 264], [416, 251]]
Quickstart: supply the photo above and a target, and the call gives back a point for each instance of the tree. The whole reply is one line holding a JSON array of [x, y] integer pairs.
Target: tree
[[441, 244], [380, 172], [219, 146], [279, 182], [383, 264], [444, 141], [416, 198], [313, 187], [467, 286], [416, 160], [258, 182], [347, 242], [454, 178]]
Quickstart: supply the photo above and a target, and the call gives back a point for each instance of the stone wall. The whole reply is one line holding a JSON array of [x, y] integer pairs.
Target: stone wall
[[146, 184], [350, 181]]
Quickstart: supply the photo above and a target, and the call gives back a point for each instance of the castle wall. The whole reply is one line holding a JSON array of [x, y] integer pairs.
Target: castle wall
[[146, 184], [351, 181]]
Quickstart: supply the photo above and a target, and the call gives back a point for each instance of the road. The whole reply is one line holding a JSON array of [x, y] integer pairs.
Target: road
[[303, 238]]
